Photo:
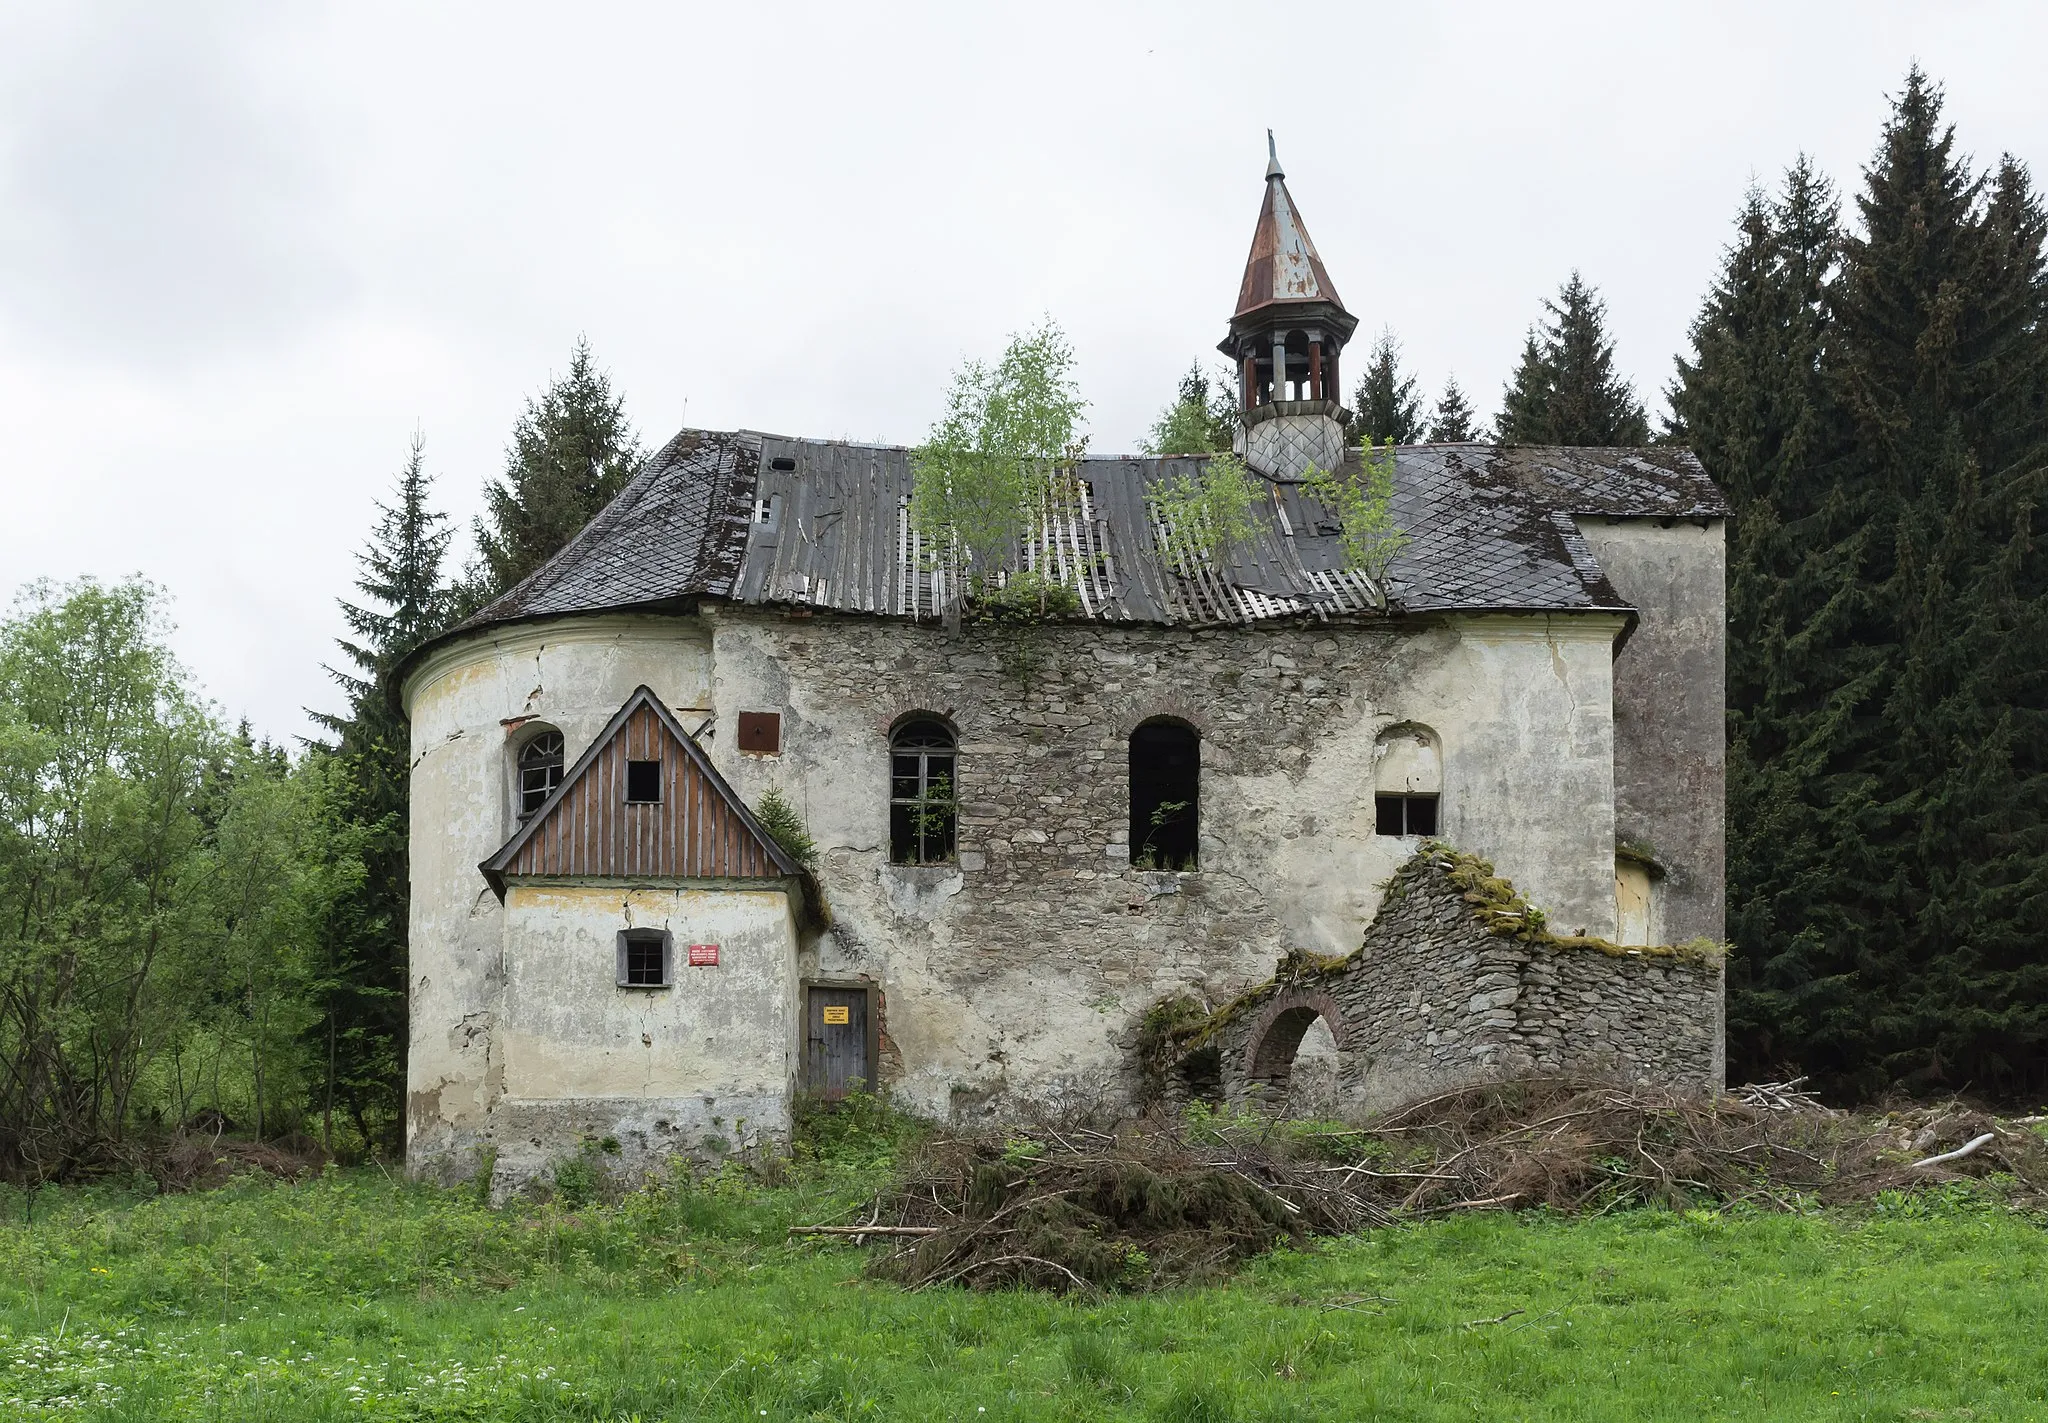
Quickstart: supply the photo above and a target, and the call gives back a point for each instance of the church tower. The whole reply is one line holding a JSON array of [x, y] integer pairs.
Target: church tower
[[1284, 338]]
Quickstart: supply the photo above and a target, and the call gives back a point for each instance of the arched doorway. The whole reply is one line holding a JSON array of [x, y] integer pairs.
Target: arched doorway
[[1293, 1064]]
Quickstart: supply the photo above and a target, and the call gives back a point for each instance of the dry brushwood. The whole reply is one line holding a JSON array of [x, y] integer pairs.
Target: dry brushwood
[[1164, 1202]]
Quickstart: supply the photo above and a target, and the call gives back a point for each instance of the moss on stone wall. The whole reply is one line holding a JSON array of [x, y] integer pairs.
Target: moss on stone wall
[[1500, 907], [1177, 1027]]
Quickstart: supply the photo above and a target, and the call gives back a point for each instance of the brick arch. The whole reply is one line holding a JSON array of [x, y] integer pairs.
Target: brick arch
[[1276, 1036], [908, 703], [1137, 714]]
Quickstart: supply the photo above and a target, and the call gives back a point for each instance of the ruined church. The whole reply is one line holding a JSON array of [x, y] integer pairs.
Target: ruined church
[[1214, 821]]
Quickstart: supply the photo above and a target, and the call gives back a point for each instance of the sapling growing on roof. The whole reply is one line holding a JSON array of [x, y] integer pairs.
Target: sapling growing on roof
[[1364, 506], [1205, 516], [1007, 435]]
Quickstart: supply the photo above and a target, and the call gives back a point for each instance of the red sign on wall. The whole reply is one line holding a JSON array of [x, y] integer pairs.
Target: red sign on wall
[[703, 956]]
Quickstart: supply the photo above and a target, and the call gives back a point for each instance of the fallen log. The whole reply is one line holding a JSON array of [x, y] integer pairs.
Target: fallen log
[[864, 1230]]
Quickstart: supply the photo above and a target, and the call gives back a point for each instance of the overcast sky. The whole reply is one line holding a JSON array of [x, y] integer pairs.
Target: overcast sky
[[246, 250]]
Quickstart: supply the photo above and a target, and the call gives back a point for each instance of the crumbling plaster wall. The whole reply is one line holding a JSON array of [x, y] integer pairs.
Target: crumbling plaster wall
[[1670, 702], [469, 703], [1019, 976], [705, 1065]]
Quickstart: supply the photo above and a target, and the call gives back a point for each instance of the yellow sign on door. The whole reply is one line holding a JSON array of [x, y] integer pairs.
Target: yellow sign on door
[[836, 1014]]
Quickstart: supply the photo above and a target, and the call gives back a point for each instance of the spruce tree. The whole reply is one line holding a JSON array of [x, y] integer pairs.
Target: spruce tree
[[361, 1034], [1385, 406], [1452, 422], [1938, 357], [572, 450], [1751, 403], [1566, 392], [1881, 435]]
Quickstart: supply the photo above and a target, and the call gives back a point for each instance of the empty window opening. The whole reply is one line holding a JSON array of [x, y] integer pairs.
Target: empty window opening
[[643, 958], [1166, 781], [1405, 814], [923, 799], [782, 462], [540, 771], [643, 783], [1408, 781]]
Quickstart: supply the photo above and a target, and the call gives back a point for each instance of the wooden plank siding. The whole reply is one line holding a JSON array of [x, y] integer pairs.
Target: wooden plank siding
[[694, 832]]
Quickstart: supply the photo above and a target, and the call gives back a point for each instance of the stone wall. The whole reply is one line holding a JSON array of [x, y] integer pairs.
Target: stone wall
[[1457, 983], [1018, 977]]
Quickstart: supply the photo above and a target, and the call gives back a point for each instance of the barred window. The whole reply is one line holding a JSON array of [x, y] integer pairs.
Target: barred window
[[923, 798], [644, 958]]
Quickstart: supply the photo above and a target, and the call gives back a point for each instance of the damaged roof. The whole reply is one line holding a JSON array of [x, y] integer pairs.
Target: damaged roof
[[1283, 265], [767, 519]]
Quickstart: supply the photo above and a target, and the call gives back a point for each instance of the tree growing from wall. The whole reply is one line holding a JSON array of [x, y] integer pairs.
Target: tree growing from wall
[[1566, 391]]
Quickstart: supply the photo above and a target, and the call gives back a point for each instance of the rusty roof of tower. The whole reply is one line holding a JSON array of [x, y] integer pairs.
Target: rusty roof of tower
[[1283, 265]]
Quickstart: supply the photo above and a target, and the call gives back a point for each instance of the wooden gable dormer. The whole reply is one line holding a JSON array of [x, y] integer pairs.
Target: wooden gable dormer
[[600, 824]]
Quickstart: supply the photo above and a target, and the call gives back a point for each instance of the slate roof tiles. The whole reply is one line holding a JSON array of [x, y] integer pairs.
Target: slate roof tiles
[[767, 519]]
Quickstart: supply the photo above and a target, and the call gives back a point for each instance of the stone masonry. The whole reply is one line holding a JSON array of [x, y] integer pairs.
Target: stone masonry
[[1456, 983], [1020, 975]]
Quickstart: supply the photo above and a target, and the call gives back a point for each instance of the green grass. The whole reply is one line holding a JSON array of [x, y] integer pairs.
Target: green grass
[[353, 1297]]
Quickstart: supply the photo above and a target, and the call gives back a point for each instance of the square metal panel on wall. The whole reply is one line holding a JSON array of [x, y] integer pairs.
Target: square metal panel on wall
[[760, 733]]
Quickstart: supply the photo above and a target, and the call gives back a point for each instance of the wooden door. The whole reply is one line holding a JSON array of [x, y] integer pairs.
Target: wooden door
[[836, 1041]]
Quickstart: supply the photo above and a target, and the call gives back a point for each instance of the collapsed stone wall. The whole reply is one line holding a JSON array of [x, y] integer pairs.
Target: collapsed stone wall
[[1458, 981]]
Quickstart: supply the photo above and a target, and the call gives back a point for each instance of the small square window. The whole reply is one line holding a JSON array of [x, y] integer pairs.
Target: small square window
[[643, 958], [1404, 815], [643, 783]]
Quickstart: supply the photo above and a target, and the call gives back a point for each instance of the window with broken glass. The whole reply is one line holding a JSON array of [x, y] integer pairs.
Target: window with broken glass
[[922, 800], [540, 771]]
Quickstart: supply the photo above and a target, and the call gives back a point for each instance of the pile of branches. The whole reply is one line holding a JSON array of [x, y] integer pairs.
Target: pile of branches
[[1166, 1201]]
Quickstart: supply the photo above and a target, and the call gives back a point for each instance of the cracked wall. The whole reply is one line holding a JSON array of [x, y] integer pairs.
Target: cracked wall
[[1018, 977], [468, 702]]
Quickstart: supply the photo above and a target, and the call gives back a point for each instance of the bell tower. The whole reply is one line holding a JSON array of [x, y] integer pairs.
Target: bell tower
[[1284, 338]]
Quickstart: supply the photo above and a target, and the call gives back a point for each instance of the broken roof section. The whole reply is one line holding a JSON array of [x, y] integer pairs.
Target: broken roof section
[[764, 519], [1283, 265]]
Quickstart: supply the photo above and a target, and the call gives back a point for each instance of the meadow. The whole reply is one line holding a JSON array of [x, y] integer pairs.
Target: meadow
[[353, 1295]]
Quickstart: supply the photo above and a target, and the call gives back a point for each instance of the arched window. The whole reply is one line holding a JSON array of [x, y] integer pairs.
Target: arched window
[[1166, 794], [540, 770], [1409, 781], [923, 800]]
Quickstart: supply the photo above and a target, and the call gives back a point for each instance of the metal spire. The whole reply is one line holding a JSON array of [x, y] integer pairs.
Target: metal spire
[[1272, 158]]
